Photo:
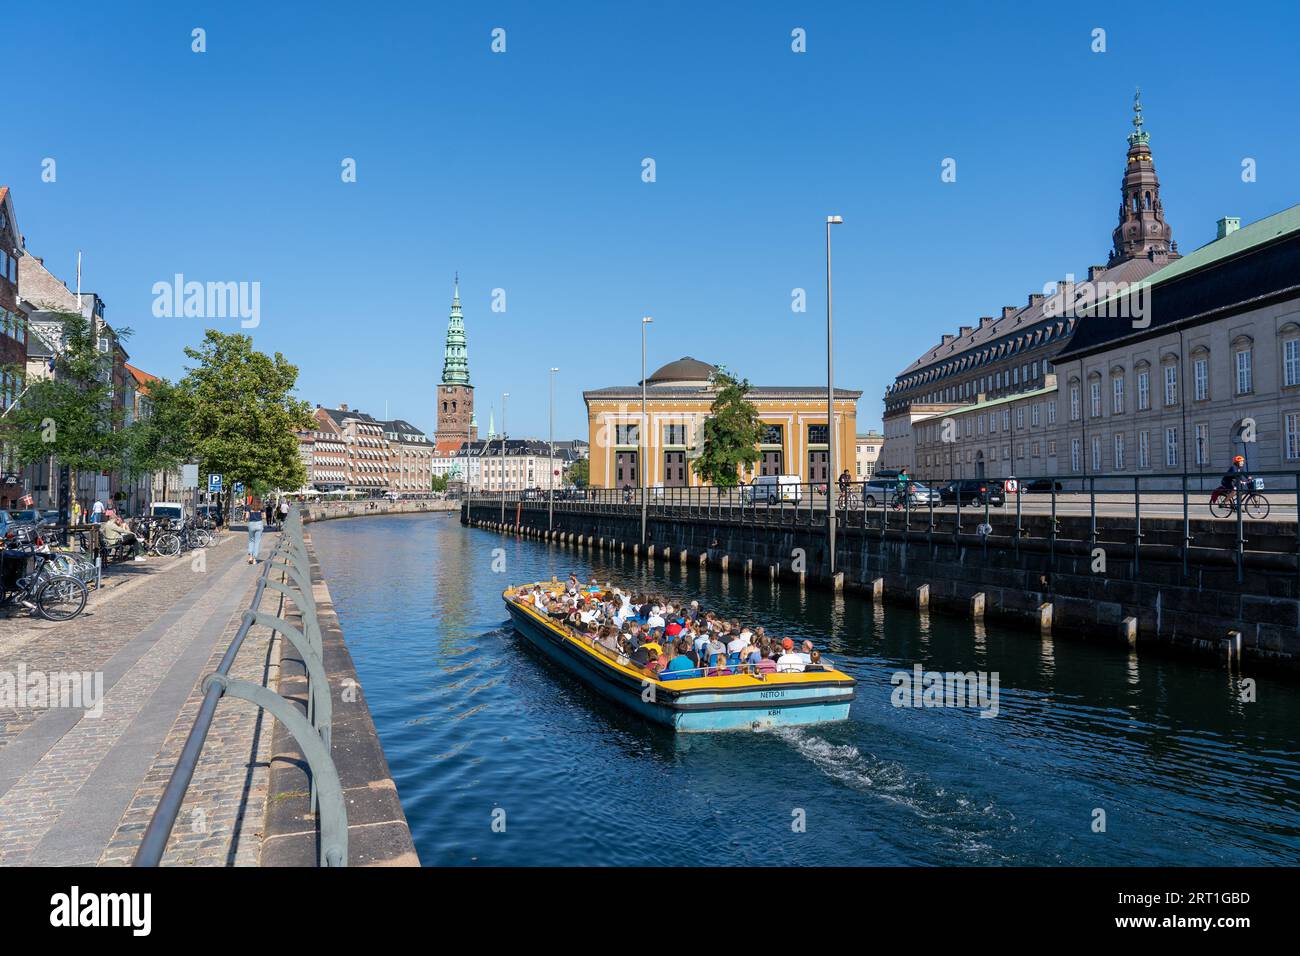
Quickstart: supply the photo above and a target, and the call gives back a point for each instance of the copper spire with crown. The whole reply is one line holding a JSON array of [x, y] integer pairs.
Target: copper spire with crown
[[1142, 231]]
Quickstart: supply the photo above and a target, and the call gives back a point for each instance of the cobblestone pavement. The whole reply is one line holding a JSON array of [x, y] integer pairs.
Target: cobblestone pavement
[[76, 788]]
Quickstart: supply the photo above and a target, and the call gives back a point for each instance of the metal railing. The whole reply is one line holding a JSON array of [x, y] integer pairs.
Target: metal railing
[[1110, 509], [312, 733]]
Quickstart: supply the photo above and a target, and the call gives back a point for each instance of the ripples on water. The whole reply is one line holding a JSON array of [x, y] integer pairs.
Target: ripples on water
[[473, 722]]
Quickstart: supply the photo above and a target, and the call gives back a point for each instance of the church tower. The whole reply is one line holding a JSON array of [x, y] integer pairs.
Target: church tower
[[1142, 232], [455, 402]]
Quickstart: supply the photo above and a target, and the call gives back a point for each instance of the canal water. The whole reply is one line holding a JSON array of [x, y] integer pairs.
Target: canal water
[[501, 759]]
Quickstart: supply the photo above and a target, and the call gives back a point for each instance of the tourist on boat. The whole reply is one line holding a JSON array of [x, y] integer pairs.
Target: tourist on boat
[[805, 652], [681, 662], [790, 662], [719, 668], [767, 663], [816, 663]]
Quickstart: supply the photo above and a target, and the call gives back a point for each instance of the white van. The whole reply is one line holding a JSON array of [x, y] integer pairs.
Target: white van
[[775, 488], [173, 510]]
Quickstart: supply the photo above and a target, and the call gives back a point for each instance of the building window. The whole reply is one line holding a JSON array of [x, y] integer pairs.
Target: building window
[[1096, 453], [980, 425], [993, 422], [1201, 379], [1203, 444], [1074, 454], [1292, 436], [772, 435], [817, 434], [1244, 382], [1051, 412], [674, 434], [1291, 362], [1034, 414], [1074, 403], [1094, 399], [1144, 449], [1006, 419], [1120, 464], [1144, 390], [1117, 395], [968, 428], [1020, 417], [1034, 449], [1171, 384], [1171, 446], [627, 434]]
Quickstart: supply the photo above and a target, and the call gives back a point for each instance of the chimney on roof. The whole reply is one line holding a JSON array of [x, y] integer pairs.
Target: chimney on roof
[[947, 338], [1035, 298], [1228, 225], [1094, 271], [1009, 310], [986, 320], [965, 330], [343, 407]]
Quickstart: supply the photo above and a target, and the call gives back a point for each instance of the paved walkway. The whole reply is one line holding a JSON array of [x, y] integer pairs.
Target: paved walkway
[[77, 787]]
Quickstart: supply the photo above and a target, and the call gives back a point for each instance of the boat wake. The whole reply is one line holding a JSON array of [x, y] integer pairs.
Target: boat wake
[[964, 827]]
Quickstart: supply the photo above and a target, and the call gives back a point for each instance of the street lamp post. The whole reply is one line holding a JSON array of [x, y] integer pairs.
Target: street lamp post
[[643, 436], [830, 403], [550, 490], [504, 396]]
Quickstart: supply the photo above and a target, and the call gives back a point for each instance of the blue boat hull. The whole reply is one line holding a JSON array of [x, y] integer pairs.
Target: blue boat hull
[[697, 710]]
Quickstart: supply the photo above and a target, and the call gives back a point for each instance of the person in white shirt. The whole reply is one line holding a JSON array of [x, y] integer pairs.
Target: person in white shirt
[[805, 652], [789, 662], [738, 643], [656, 619]]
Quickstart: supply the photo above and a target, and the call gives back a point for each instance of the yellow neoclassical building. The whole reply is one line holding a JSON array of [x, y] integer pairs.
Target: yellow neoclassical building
[[678, 400]]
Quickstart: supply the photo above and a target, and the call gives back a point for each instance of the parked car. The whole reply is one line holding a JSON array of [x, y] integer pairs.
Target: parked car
[[25, 516], [880, 491], [973, 491], [1039, 485], [771, 489]]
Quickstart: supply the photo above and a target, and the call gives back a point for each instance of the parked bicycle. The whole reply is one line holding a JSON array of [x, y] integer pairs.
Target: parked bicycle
[[157, 536], [54, 596]]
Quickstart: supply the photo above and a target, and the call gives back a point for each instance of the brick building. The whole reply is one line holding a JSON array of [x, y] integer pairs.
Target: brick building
[[15, 483]]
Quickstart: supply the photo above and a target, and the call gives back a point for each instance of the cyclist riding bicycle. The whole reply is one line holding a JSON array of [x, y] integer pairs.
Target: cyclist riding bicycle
[[1234, 479], [844, 481], [904, 488]]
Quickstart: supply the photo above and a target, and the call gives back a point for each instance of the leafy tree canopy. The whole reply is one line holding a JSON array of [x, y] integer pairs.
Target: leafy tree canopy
[[731, 433]]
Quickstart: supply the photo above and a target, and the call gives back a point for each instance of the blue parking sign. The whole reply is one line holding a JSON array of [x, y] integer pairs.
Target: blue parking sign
[[237, 488], [214, 483]]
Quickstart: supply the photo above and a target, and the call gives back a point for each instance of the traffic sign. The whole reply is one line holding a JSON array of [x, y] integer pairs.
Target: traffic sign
[[237, 488], [214, 483], [1011, 486]]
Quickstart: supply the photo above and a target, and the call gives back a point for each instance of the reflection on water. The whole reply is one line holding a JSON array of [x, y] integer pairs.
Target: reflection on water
[[473, 721]]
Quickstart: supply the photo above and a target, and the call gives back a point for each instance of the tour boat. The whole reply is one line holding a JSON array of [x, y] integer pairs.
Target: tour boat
[[741, 701]]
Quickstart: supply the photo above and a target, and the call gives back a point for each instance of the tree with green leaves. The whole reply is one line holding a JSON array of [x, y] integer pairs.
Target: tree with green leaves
[[579, 472], [439, 483], [243, 416], [71, 416], [731, 433]]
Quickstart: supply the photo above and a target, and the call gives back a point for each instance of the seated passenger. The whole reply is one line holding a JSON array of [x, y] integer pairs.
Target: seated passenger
[[719, 668], [816, 664], [789, 662], [805, 651], [767, 664]]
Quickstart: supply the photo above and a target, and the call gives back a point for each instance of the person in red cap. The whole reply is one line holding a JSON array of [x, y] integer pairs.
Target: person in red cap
[[1234, 479], [789, 662]]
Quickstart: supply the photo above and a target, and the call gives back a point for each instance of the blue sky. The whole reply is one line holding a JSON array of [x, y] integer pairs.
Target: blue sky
[[522, 170]]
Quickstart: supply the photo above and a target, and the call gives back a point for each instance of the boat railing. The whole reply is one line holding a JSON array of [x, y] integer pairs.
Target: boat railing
[[288, 572]]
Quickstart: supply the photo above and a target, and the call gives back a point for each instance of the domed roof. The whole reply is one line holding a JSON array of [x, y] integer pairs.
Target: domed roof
[[685, 371]]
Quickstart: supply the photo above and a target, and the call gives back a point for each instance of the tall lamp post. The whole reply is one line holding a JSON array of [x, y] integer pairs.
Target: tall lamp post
[[643, 436], [504, 396], [550, 490], [830, 401]]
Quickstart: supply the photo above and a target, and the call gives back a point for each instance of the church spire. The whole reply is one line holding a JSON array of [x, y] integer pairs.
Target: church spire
[[1142, 232], [455, 358]]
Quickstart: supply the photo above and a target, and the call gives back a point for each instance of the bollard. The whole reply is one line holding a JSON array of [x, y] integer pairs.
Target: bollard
[[636, 550], [1045, 617], [724, 561], [923, 596], [749, 567], [977, 606], [878, 589], [650, 553], [773, 571], [837, 581], [1128, 630]]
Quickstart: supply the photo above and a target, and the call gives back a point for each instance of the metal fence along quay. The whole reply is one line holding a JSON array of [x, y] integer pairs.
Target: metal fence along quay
[[289, 562], [1117, 508]]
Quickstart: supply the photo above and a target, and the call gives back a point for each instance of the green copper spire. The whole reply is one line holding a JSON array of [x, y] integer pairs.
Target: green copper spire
[[455, 360], [1139, 135]]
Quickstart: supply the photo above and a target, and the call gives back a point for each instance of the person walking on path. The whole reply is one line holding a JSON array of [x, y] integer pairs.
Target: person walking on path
[[270, 513], [255, 527], [284, 510]]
